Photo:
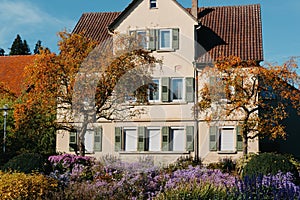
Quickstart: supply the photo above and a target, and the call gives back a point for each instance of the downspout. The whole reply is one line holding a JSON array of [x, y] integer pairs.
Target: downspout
[[196, 125]]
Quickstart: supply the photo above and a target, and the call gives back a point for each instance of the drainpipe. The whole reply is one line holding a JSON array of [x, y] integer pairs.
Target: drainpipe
[[196, 125]]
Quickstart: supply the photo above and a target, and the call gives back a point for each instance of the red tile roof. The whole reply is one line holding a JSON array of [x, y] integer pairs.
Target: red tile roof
[[225, 31], [239, 29], [12, 71], [94, 25]]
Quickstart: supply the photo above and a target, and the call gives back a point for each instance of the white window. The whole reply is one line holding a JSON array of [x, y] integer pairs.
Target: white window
[[177, 89], [152, 3], [154, 139], [154, 92], [227, 139], [165, 39], [130, 139], [92, 140], [178, 139], [142, 39]]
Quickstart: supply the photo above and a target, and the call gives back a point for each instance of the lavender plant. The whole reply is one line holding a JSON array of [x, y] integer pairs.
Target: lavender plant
[[279, 186]]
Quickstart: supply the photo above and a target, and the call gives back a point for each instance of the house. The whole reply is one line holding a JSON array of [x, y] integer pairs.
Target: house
[[12, 72], [186, 39]]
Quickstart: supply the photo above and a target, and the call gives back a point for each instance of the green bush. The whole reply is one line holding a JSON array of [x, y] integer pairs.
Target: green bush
[[27, 163], [269, 163], [226, 165], [25, 186]]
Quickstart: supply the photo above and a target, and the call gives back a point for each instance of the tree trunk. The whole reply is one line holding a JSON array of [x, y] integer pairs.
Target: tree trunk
[[245, 143], [81, 137]]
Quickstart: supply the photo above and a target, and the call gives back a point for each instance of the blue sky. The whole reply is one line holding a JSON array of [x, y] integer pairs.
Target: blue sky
[[41, 20]]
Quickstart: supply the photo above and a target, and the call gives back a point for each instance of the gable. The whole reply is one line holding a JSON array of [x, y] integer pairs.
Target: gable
[[167, 7], [225, 30]]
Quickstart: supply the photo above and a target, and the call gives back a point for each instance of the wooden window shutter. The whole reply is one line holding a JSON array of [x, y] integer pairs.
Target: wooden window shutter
[[141, 138], [156, 38], [165, 90], [189, 89], [175, 38], [165, 146], [190, 138], [98, 134], [239, 138], [118, 138], [73, 141], [213, 132], [152, 39]]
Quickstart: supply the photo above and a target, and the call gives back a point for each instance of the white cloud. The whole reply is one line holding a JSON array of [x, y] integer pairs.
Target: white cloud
[[31, 22]]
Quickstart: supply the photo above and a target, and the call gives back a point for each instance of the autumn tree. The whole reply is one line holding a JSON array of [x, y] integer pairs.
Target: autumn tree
[[77, 85], [257, 97]]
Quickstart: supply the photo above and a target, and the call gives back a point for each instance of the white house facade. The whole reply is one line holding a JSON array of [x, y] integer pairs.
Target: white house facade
[[186, 40]]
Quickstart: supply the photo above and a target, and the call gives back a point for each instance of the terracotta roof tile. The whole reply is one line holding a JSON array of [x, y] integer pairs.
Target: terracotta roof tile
[[95, 25], [231, 30], [12, 71]]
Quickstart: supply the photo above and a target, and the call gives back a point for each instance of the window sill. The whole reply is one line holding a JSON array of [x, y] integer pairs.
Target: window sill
[[169, 103], [152, 152], [165, 50], [227, 152]]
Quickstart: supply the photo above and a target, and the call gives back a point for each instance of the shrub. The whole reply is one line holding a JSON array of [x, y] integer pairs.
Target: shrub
[[27, 163], [183, 163], [25, 186], [68, 167], [269, 163], [225, 165]]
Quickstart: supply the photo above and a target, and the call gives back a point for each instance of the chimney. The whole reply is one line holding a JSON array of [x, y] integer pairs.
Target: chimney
[[194, 10]]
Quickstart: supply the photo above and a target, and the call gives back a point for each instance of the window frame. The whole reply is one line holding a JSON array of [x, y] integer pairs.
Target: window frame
[[146, 39], [221, 142], [172, 89], [158, 91], [152, 4], [170, 39]]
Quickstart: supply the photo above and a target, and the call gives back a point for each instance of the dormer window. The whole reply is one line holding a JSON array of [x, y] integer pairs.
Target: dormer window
[[152, 3]]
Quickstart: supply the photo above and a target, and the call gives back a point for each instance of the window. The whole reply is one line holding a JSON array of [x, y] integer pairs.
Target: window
[[165, 39], [177, 89], [178, 139], [154, 139], [157, 39], [152, 3], [92, 140], [154, 92], [130, 139], [149, 139], [142, 39], [225, 139]]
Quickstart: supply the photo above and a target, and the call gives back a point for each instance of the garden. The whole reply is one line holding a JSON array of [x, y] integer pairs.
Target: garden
[[71, 177]]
